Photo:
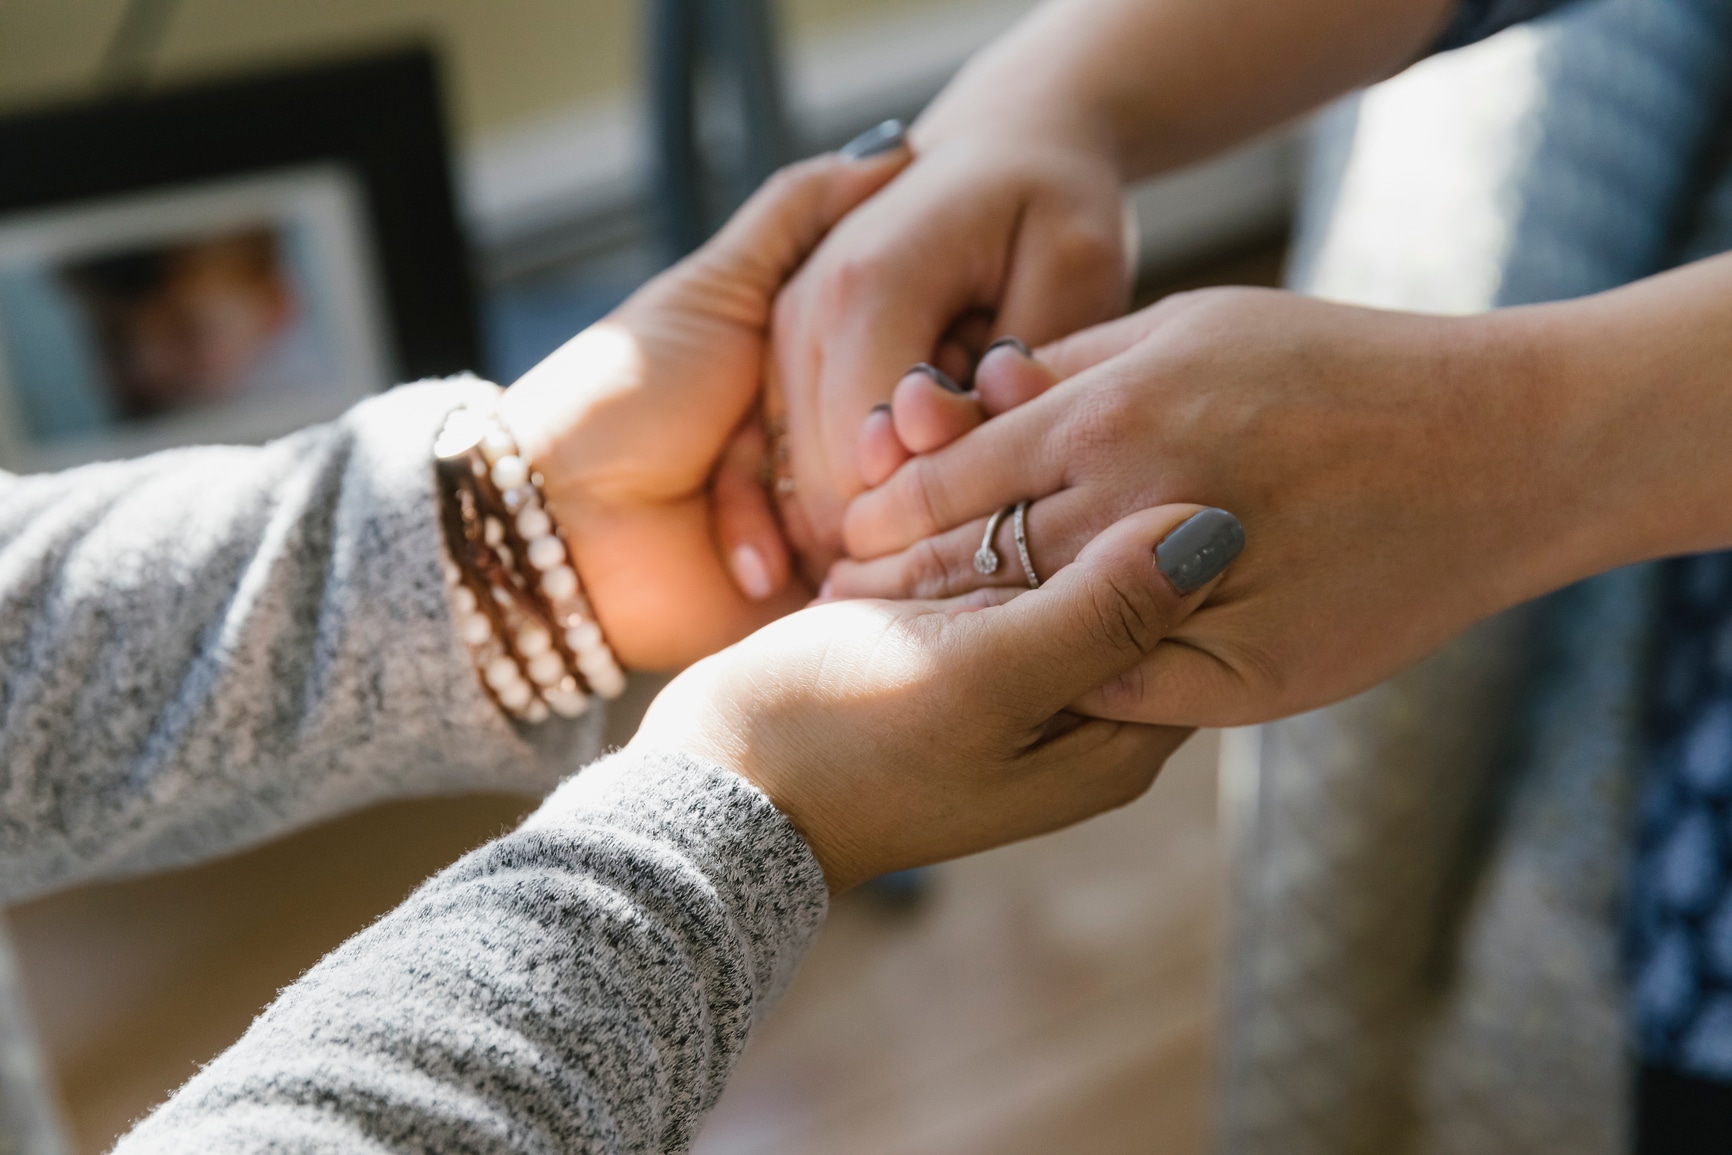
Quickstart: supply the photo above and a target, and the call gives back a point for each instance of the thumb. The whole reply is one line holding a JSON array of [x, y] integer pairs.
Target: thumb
[[1105, 612], [779, 225]]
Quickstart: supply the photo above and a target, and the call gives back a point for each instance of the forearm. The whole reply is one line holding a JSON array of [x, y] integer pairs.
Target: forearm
[[1157, 83], [1632, 417], [583, 984], [206, 647]]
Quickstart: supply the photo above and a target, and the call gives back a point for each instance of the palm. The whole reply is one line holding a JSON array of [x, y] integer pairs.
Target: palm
[[633, 426]]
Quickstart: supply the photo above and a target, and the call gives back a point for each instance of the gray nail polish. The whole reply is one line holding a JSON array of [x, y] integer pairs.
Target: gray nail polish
[[942, 379], [881, 407], [1203, 546], [876, 141], [1008, 343]]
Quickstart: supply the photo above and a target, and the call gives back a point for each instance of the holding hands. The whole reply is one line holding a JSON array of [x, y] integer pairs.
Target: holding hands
[[1387, 468]]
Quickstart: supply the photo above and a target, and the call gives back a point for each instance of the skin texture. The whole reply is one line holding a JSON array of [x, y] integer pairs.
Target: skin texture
[[1399, 476], [645, 429], [1010, 219], [898, 734]]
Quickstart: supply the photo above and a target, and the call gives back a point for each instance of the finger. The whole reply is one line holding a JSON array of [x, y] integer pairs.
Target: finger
[[779, 225], [1003, 461], [1088, 347], [960, 349], [1103, 615], [931, 410], [1070, 271], [1056, 530], [879, 452], [1178, 682], [747, 533], [1009, 375], [1099, 766]]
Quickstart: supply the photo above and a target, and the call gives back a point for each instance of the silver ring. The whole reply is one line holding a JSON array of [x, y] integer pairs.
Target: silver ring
[[986, 558], [1020, 524]]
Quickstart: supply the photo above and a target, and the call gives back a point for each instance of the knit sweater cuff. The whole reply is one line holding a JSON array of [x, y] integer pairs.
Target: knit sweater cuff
[[719, 825], [400, 555]]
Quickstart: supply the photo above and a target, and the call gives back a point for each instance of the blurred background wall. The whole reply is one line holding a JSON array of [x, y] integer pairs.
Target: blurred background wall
[[545, 103]]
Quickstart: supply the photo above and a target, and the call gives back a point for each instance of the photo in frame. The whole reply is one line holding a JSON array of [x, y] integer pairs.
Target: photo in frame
[[224, 263]]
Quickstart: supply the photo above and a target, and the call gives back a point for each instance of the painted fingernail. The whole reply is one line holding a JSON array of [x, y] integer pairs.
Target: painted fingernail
[[1008, 343], [751, 572], [881, 407], [942, 379], [1202, 546], [876, 141]]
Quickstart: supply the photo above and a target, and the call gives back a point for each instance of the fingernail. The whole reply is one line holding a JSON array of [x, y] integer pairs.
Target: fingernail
[[825, 590], [939, 376], [751, 573], [1008, 343], [881, 407], [876, 141], [1203, 546]]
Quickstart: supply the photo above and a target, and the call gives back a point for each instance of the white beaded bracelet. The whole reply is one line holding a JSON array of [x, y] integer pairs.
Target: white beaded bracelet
[[515, 594]]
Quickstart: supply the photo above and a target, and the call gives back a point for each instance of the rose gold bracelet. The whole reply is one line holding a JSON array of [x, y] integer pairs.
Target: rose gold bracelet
[[515, 595]]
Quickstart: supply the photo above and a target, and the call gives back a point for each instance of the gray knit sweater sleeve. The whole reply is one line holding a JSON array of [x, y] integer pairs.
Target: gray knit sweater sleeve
[[206, 647], [584, 984]]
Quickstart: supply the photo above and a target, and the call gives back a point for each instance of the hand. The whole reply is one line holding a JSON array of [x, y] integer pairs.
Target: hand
[[898, 734], [645, 431], [1011, 218], [1002, 228], [1399, 478]]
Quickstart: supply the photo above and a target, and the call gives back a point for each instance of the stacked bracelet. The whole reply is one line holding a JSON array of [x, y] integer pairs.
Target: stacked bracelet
[[517, 599]]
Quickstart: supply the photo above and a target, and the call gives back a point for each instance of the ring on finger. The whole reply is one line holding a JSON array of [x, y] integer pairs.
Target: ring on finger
[[1019, 522], [986, 557]]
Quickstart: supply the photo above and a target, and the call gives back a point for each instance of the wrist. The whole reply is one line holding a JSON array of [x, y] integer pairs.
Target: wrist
[[699, 716], [1641, 414], [1017, 94], [1591, 454]]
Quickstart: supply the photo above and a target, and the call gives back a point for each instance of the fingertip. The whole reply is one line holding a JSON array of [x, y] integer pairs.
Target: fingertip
[[931, 410], [747, 532], [1009, 375], [751, 572], [887, 138], [1199, 549], [879, 451]]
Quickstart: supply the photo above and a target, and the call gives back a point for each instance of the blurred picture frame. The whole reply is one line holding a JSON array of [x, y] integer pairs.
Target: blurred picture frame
[[225, 262]]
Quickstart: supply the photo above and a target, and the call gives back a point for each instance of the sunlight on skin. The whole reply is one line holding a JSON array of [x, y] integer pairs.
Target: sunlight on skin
[[603, 364], [851, 652]]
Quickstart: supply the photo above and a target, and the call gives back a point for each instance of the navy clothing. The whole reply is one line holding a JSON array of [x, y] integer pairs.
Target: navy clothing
[[1680, 903], [1477, 19]]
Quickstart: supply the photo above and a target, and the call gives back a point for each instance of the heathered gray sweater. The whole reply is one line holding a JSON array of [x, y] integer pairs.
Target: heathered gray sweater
[[205, 648]]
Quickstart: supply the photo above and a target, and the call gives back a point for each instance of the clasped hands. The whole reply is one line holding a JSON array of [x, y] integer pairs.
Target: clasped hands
[[899, 732]]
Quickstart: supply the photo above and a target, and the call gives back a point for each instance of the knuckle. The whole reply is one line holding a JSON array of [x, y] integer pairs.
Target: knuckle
[[1101, 419], [855, 274], [925, 503], [1126, 693], [929, 572], [1084, 249]]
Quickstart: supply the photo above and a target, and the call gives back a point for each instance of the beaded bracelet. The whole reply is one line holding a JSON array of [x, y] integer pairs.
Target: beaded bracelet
[[518, 602]]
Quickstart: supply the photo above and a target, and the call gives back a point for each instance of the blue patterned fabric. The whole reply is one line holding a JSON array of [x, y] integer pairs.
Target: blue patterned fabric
[[1680, 905], [1632, 174]]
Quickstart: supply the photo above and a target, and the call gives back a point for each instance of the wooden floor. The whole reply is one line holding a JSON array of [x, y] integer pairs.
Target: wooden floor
[[1055, 996]]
